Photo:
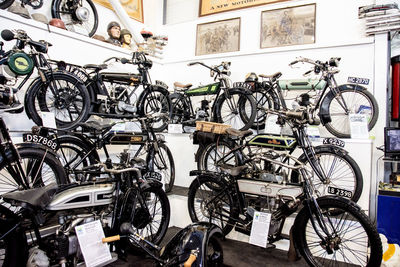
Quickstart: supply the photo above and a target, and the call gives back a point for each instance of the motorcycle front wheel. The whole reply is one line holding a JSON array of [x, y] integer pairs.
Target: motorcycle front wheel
[[164, 164], [351, 239], [238, 109], [209, 196], [357, 102], [157, 102], [265, 99], [78, 16], [63, 95]]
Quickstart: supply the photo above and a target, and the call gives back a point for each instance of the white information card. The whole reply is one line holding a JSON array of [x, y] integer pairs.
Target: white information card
[[260, 228], [358, 126], [94, 251]]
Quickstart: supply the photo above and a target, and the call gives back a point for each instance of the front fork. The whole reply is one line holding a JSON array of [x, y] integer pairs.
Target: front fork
[[338, 95]]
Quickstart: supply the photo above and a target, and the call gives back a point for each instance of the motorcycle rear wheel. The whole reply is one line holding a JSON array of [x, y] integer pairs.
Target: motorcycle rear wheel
[[356, 240], [62, 9]]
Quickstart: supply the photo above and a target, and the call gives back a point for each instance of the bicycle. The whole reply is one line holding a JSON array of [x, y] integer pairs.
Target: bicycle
[[337, 173], [332, 103], [232, 105], [327, 230]]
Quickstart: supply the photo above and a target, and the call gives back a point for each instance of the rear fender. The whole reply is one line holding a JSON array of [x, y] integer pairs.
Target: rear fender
[[326, 101], [37, 146]]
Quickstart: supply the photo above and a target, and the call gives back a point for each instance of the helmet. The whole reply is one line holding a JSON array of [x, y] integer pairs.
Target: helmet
[[251, 77], [40, 17], [125, 31], [113, 24], [57, 23]]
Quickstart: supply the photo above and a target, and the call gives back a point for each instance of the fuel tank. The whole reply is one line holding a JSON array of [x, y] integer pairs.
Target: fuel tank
[[273, 141], [82, 196], [269, 189]]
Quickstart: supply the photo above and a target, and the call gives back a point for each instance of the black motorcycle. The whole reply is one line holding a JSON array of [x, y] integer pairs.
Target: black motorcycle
[[53, 91], [122, 95], [232, 105]]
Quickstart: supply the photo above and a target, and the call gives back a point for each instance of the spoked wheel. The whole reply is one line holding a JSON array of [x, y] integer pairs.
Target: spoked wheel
[[36, 4], [264, 100], [357, 102], [214, 155], [341, 170], [164, 164], [37, 168], [157, 102], [78, 16], [180, 112], [209, 197], [4, 4], [351, 240], [237, 110], [62, 95], [151, 213], [214, 256]]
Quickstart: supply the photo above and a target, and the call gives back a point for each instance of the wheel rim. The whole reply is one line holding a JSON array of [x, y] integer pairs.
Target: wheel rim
[[356, 102], [215, 154], [338, 171], [162, 165], [236, 113], [157, 103], [349, 242], [209, 200], [71, 157], [74, 22]]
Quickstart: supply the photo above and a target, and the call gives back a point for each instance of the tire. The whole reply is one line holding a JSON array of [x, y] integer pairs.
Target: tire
[[355, 99], [214, 253], [13, 248], [199, 192], [340, 168], [71, 106], [264, 99], [74, 154], [164, 164], [141, 223], [239, 111], [359, 229], [39, 167], [60, 10], [4, 4], [214, 152], [180, 112], [157, 101]]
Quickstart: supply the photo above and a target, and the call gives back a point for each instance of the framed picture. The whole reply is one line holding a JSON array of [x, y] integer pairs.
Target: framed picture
[[218, 37], [134, 8], [208, 7], [288, 26]]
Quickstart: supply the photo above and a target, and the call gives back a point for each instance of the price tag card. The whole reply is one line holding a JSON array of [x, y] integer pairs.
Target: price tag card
[[94, 251], [270, 125], [260, 228], [49, 120], [358, 126], [313, 132], [175, 128]]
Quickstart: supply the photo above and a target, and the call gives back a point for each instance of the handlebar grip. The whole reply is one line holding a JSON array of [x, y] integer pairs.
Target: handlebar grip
[[190, 260], [307, 72], [298, 115], [7, 35], [111, 239], [294, 62], [125, 60], [192, 63]]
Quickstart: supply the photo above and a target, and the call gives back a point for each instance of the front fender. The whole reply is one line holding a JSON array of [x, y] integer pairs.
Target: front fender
[[194, 237], [326, 101], [326, 148]]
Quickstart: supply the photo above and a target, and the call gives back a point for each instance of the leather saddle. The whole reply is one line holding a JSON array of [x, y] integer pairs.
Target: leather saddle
[[35, 198]]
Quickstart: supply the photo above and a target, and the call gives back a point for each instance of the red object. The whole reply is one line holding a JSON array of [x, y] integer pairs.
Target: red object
[[57, 23], [146, 34], [395, 87]]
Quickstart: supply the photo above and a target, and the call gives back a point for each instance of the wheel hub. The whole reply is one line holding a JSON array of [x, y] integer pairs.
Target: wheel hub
[[331, 244], [141, 218], [63, 100], [82, 13]]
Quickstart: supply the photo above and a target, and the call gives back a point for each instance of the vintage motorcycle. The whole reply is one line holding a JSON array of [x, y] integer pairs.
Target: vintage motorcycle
[[114, 94], [232, 105], [4, 4], [331, 103], [52, 91], [327, 230], [78, 15], [46, 229]]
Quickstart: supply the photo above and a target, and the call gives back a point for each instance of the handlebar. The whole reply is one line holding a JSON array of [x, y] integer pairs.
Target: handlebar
[[225, 66], [22, 39], [290, 114]]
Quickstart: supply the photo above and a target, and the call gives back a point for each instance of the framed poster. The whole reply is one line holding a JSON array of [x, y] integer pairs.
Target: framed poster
[[134, 8], [288, 26], [208, 7], [218, 37]]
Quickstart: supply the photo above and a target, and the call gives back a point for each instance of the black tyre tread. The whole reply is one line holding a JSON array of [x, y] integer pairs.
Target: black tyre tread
[[56, 6], [6, 4], [276, 106], [346, 157], [237, 91], [206, 152], [372, 122], [166, 96], [196, 183], [170, 185], [336, 202], [33, 92]]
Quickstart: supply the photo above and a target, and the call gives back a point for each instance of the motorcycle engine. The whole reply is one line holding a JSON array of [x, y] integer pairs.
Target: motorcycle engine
[[122, 102]]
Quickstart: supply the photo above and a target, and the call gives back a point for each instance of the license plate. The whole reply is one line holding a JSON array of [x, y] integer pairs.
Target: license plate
[[339, 192], [34, 138], [333, 141], [358, 80]]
